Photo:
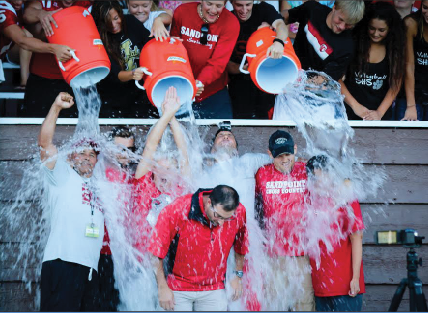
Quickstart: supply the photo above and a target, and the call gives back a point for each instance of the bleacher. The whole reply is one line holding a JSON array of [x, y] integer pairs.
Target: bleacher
[[10, 97]]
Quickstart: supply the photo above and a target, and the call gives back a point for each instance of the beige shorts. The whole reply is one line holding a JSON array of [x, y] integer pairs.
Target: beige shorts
[[211, 300], [290, 285]]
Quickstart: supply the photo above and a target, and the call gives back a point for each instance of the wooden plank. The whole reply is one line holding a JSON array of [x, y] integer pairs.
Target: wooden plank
[[405, 184], [16, 297], [378, 298], [394, 217], [382, 265], [371, 145]]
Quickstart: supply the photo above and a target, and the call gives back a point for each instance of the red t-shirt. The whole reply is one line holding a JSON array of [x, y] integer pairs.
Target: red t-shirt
[[335, 272], [208, 62], [8, 16], [281, 208], [45, 64], [145, 192], [115, 176], [197, 251]]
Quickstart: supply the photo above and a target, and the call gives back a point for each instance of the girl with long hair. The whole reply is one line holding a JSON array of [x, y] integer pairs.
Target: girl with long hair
[[375, 76], [415, 106], [123, 37]]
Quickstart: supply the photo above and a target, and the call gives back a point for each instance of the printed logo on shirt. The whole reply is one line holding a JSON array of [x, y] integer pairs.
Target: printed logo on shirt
[[321, 47], [374, 81], [194, 36], [422, 58], [3, 7], [284, 187], [130, 55]]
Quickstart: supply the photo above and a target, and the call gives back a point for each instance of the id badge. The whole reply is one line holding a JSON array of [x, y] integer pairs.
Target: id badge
[[92, 231]]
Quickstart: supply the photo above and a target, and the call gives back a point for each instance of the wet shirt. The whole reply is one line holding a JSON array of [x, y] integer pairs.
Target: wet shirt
[[45, 64], [208, 62], [334, 274], [316, 45], [69, 199], [262, 12], [280, 208], [8, 17], [369, 87], [196, 252], [420, 48]]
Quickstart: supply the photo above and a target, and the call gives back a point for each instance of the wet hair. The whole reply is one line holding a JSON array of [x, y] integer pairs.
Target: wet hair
[[225, 196], [354, 9], [122, 132], [223, 130], [100, 13], [419, 18], [317, 162], [87, 143], [395, 42]]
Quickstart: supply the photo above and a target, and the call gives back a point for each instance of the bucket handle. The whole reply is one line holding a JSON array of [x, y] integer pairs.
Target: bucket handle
[[145, 71], [244, 58], [86, 13], [61, 66]]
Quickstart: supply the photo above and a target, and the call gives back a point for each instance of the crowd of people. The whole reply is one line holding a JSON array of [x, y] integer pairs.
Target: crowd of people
[[376, 50], [188, 230]]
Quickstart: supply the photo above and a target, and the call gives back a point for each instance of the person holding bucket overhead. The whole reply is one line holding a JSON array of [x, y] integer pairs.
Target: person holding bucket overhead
[[123, 37], [209, 33], [253, 103], [45, 80], [324, 39]]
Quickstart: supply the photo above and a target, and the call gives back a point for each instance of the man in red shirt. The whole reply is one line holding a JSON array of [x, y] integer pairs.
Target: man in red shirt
[[45, 80], [209, 33], [337, 272], [280, 190], [194, 236]]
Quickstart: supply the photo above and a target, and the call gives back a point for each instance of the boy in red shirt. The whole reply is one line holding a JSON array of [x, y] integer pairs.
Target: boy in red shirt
[[280, 190], [337, 274]]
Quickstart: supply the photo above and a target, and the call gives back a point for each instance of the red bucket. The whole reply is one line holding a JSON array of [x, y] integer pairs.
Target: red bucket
[[90, 62], [269, 75], [167, 64]]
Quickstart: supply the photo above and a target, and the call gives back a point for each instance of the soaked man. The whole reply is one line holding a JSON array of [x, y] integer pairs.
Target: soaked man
[[69, 280], [280, 190], [195, 235]]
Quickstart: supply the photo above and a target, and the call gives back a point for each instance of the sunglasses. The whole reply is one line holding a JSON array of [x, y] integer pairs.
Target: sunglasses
[[204, 37], [226, 219]]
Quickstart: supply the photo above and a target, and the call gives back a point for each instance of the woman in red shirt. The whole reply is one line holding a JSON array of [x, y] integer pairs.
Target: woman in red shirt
[[209, 33]]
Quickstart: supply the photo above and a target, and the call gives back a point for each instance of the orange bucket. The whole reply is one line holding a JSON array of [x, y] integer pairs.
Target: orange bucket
[[269, 75], [90, 62], [167, 64]]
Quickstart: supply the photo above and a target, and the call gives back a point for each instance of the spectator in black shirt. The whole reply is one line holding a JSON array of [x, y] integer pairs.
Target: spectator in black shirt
[[247, 100], [375, 75], [324, 39], [123, 37]]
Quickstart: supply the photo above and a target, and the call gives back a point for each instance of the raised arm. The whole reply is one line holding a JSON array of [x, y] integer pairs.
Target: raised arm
[[34, 14], [170, 106], [276, 50], [48, 151], [180, 141], [409, 82]]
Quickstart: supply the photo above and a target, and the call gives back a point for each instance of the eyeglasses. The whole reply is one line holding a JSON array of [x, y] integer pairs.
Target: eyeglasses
[[226, 219], [204, 37]]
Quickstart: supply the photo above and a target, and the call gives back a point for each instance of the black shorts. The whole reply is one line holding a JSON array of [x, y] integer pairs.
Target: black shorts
[[109, 295], [66, 286]]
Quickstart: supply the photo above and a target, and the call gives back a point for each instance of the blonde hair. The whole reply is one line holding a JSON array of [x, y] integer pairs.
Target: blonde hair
[[353, 9]]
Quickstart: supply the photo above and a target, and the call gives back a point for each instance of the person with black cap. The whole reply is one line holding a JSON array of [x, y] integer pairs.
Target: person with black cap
[[280, 191]]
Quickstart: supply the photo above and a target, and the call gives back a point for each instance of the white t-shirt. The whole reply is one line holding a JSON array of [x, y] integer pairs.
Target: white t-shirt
[[149, 23], [238, 173], [69, 196]]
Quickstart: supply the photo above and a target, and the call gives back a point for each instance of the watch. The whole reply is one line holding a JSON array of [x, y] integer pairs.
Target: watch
[[279, 40], [240, 274]]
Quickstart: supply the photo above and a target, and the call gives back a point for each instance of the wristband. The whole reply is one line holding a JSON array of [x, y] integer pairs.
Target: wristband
[[279, 40], [133, 71], [239, 274]]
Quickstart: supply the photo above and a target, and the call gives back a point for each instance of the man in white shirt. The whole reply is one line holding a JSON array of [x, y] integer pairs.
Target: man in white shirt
[[69, 279]]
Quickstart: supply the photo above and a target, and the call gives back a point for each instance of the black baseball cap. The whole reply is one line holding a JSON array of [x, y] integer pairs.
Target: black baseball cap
[[281, 142], [223, 126]]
